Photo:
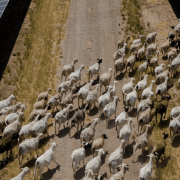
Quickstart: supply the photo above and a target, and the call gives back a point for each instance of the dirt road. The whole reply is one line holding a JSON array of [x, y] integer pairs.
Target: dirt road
[[92, 32]]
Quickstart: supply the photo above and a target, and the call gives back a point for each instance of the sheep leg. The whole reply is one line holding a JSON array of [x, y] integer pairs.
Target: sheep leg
[[37, 153], [109, 165], [59, 126], [55, 127], [78, 127], [47, 130], [135, 148], [28, 156], [156, 117], [161, 117], [41, 170], [78, 102], [55, 161]]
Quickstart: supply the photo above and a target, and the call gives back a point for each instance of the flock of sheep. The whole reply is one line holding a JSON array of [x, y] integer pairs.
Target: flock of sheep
[[11, 116]]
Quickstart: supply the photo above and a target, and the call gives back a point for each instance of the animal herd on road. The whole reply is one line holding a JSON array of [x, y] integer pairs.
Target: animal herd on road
[[61, 104]]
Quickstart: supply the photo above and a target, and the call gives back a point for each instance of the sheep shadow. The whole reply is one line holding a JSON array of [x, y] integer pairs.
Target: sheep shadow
[[79, 173], [165, 57], [129, 150], [103, 158], [164, 124], [49, 174], [111, 124], [96, 81], [104, 176], [78, 88], [133, 112], [93, 111], [88, 152], [63, 132], [163, 162], [30, 162], [76, 135], [176, 141], [143, 157], [120, 76]]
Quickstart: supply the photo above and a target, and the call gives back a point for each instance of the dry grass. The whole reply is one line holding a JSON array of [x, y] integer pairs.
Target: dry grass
[[38, 68], [168, 167]]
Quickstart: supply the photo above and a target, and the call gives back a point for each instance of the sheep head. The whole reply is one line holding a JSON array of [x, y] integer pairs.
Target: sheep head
[[75, 60], [26, 170], [40, 136]]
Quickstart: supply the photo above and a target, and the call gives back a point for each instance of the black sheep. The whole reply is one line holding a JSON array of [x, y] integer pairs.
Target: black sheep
[[160, 148], [5, 145], [161, 107]]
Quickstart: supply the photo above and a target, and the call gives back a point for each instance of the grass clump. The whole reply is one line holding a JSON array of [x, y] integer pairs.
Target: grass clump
[[31, 77]]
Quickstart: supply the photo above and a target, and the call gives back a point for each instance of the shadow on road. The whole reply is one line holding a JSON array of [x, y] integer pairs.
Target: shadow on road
[[10, 25]]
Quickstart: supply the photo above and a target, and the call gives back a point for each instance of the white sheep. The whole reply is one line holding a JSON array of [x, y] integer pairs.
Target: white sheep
[[175, 64], [88, 133], [141, 51], [154, 61], [130, 62], [121, 42], [141, 141], [144, 118], [83, 92], [159, 69], [28, 146], [62, 117], [135, 47], [160, 78], [110, 109], [95, 163], [13, 127], [26, 130], [126, 130], [77, 156], [54, 101], [41, 125], [151, 50], [177, 28], [127, 88], [175, 112], [44, 95], [146, 171], [143, 67], [174, 126], [144, 104], [68, 69], [104, 99], [165, 47], [131, 98], [119, 53], [119, 65], [148, 90], [6, 102], [120, 175], [115, 159], [41, 112], [40, 104], [151, 37], [92, 97], [121, 120], [172, 54], [143, 83], [94, 69], [25, 171], [137, 41], [13, 108], [66, 86], [113, 91], [76, 75], [105, 79], [45, 159], [162, 88]]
